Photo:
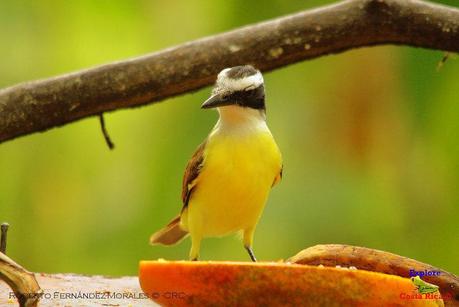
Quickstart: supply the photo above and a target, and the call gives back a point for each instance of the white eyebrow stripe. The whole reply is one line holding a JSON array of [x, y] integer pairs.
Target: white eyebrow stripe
[[223, 72], [252, 81]]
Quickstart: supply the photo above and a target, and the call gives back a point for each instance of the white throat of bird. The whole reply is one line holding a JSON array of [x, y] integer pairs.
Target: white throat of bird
[[236, 118]]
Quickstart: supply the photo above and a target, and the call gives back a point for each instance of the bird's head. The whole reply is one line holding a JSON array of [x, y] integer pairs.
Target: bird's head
[[241, 86]]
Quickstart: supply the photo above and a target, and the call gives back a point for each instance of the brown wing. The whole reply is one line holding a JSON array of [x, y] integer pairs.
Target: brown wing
[[191, 173]]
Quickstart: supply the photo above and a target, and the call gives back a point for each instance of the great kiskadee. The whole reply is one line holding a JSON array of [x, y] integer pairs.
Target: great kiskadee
[[228, 179]]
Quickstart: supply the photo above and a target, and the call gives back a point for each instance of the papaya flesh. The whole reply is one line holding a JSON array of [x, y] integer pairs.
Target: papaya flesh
[[202, 283]]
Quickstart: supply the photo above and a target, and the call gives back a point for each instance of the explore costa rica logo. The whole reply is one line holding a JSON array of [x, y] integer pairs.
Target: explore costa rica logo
[[423, 289]]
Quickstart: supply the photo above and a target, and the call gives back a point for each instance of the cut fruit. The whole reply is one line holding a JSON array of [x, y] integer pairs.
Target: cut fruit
[[196, 283]]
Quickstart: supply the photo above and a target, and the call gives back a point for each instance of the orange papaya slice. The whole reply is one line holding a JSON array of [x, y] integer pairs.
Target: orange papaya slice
[[202, 283]]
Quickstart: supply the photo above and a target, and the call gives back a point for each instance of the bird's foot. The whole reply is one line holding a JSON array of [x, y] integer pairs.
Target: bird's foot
[[251, 254]]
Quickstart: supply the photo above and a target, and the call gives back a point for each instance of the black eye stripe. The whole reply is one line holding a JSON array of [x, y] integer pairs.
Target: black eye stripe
[[254, 98], [243, 95]]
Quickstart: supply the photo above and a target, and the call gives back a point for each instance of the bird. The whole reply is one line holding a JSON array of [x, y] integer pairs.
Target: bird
[[229, 177]]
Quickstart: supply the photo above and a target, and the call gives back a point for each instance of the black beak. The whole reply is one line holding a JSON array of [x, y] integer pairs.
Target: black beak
[[216, 101]]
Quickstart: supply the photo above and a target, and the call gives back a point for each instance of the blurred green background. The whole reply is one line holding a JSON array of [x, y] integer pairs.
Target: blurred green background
[[370, 140]]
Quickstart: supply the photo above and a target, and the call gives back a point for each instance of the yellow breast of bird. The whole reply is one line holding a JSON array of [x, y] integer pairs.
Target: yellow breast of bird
[[234, 183]]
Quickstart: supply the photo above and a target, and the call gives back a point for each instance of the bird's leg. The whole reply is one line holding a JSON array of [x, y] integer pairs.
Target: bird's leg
[[251, 254], [248, 240], [195, 246]]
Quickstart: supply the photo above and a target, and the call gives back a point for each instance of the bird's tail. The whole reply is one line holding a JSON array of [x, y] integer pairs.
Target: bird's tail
[[169, 235]]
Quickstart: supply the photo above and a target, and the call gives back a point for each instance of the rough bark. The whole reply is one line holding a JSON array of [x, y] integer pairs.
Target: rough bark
[[40, 105]]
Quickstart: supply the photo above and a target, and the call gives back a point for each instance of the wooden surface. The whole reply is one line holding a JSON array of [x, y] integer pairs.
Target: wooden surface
[[103, 291]]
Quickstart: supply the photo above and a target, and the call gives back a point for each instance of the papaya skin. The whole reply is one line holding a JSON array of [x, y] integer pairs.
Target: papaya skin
[[271, 284], [378, 261]]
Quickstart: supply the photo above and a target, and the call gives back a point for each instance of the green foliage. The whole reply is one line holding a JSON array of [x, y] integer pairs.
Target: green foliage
[[369, 138]]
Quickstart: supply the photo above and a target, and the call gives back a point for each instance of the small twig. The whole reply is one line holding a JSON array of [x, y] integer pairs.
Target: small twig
[[443, 60], [109, 142], [3, 238]]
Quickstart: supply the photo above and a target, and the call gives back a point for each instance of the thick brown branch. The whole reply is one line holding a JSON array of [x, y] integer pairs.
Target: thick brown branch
[[40, 105]]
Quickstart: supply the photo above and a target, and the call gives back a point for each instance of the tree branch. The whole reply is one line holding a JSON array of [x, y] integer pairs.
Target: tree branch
[[22, 282], [40, 105]]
